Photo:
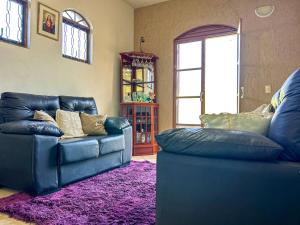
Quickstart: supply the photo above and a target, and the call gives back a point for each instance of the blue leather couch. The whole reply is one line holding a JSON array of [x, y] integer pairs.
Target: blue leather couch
[[35, 160], [221, 177]]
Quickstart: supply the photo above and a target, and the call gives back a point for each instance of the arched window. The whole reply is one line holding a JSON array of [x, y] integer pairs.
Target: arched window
[[76, 37], [13, 21], [206, 74]]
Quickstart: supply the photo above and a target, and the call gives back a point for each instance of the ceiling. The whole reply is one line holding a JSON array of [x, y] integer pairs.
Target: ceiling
[[142, 3]]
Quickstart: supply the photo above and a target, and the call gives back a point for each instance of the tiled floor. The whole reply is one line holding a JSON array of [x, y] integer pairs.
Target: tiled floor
[[151, 158], [5, 220]]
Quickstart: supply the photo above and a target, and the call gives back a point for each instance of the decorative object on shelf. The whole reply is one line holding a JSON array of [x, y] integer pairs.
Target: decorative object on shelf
[[48, 22], [143, 137], [264, 11], [142, 97], [138, 99], [151, 97]]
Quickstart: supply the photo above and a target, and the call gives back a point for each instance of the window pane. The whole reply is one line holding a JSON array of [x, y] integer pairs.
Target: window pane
[[127, 93], [139, 75], [189, 83], [64, 14], [139, 88], [191, 126], [77, 17], [11, 21], [74, 42], [221, 75], [189, 55], [71, 14], [83, 23], [75, 36], [188, 110], [148, 75], [127, 74], [149, 88]]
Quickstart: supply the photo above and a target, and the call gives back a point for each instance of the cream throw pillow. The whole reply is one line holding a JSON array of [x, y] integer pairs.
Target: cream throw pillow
[[93, 124], [252, 122], [263, 109], [41, 115], [69, 123]]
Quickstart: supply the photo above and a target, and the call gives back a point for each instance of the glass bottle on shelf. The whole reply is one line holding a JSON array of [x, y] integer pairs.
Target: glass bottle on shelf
[[143, 136], [138, 137], [148, 138]]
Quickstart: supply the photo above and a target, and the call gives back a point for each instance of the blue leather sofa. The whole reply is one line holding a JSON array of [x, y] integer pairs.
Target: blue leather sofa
[[221, 177], [35, 160]]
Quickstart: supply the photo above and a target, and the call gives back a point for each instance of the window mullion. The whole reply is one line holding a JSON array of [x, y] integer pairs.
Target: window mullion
[[203, 77], [189, 69], [196, 96]]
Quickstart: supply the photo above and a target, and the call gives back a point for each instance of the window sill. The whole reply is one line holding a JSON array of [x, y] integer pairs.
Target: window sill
[[75, 59]]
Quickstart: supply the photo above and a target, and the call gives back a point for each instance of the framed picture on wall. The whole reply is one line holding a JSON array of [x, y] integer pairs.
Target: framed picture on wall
[[48, 22]]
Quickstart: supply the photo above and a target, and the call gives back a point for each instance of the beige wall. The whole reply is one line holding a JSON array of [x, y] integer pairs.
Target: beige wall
[[41, 69], [270, 46]]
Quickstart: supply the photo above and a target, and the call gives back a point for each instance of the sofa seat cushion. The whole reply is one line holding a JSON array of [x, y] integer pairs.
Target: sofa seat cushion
[[219, 143], [111, 143], [78, 149]]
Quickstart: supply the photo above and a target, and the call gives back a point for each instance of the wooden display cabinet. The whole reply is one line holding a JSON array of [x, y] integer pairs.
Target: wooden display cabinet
[[144, 120], [138, 99]]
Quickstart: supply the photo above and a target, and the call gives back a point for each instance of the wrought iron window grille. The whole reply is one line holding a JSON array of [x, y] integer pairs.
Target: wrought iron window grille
[[76, 37], [13, 21]]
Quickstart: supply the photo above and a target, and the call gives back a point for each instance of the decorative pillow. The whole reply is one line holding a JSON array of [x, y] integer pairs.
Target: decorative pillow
[[43, 116], [275, 100], [69, 123], [264, 109], [93, 124], [252, 122]]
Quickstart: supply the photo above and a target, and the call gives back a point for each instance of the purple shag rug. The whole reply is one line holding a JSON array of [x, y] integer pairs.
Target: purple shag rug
[[121, 196]]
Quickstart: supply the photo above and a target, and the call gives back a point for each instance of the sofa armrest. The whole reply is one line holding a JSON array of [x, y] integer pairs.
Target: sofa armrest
[[218, 143], [196, 190], [116, 125], [29, 162], [29, 127], [120, 125]]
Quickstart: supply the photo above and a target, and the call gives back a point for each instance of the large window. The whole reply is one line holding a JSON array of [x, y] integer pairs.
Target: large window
[[205, 74], [76, 37], [13, 18]]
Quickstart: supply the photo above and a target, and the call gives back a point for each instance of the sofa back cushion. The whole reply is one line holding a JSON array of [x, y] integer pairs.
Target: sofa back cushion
[[19, 106], [78, 104], [285, 125]]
